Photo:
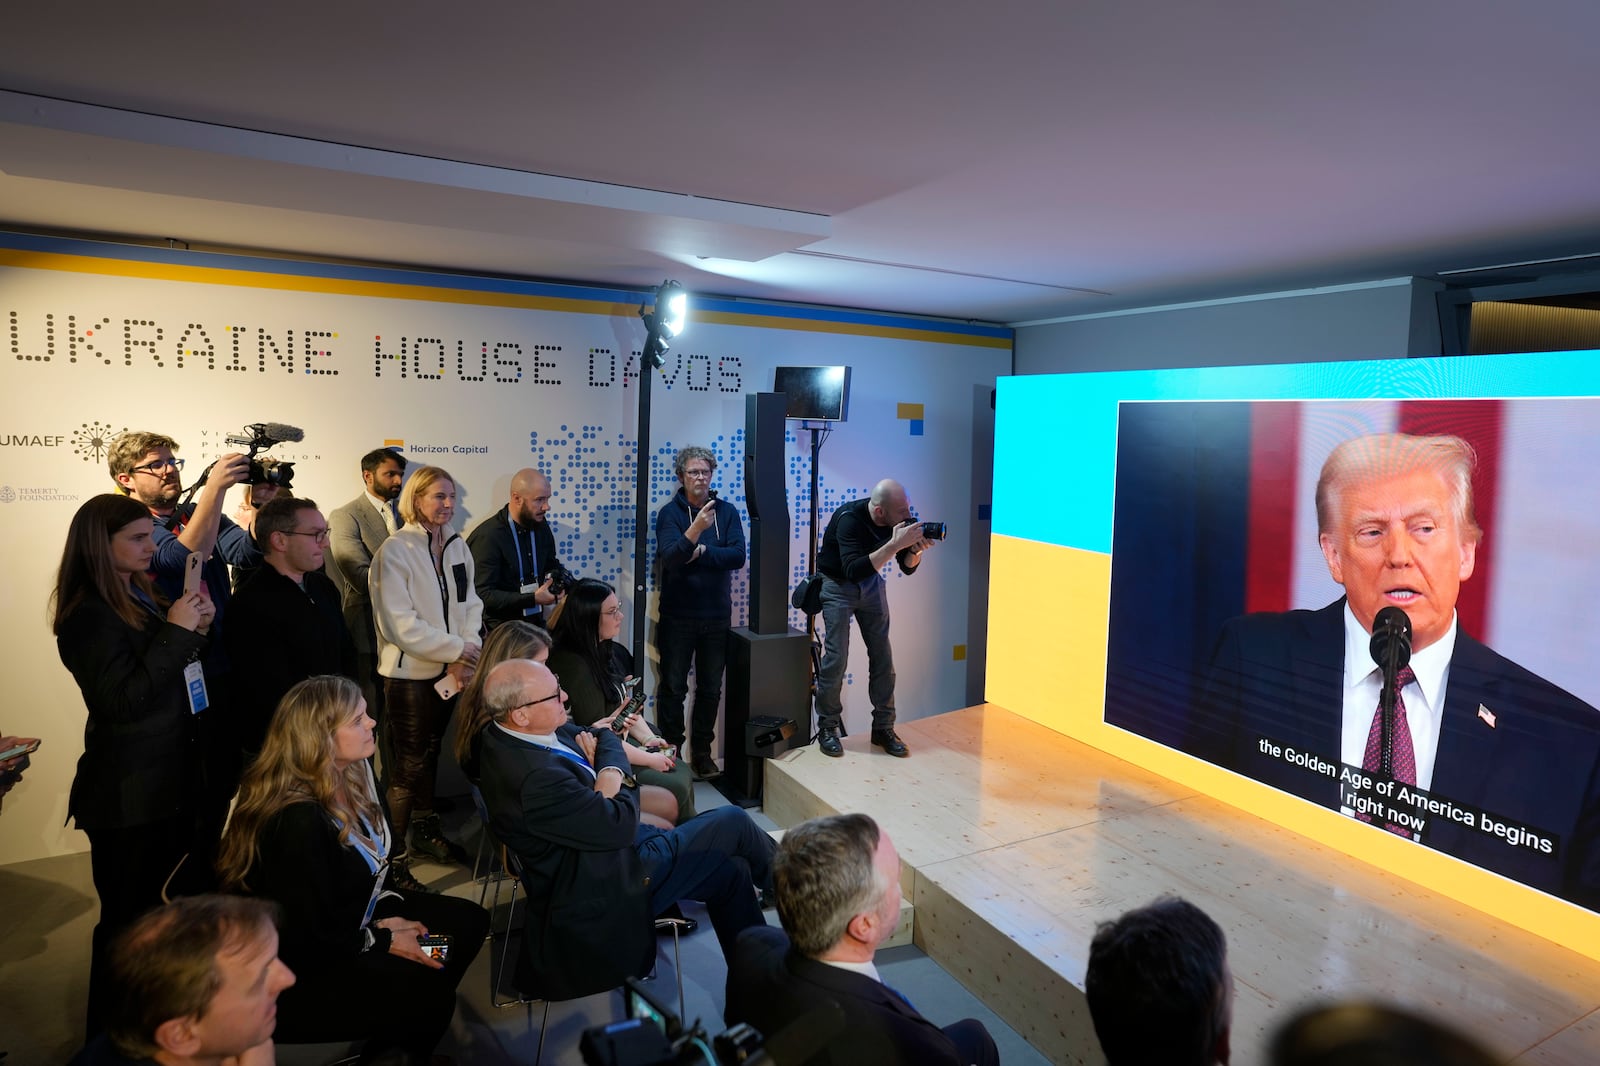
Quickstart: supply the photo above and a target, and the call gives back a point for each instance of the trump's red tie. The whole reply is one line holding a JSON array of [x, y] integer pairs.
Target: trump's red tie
[[1405, 757]]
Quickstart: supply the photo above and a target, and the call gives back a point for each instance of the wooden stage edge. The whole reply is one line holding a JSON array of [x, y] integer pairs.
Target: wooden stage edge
[[1015, 841]]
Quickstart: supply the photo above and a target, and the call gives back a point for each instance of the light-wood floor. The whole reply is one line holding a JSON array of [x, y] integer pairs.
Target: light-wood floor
[[1016, 841]]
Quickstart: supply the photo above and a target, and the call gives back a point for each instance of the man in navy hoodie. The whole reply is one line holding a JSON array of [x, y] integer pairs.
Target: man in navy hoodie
[[699, 542]]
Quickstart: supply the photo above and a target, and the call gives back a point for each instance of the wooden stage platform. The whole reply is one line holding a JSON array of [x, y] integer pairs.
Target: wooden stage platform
[[1015, 841]]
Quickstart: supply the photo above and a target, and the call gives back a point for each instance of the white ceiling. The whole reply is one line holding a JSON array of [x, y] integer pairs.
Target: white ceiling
[[1002, 161]]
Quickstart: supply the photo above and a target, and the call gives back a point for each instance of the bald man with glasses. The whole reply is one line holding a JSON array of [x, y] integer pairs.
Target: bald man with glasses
[[562, 797]]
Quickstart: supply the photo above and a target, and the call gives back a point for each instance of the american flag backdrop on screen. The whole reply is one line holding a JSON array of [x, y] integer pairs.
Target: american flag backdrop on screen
[[1535, 591]]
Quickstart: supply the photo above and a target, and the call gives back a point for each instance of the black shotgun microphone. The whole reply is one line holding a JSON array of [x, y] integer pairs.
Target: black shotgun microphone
[[1391, 650]]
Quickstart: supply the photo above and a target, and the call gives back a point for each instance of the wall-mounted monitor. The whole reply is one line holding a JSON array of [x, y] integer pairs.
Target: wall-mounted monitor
[[814, 393]]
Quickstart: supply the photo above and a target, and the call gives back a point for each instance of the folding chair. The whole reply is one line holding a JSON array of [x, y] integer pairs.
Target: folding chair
[[513, 868]]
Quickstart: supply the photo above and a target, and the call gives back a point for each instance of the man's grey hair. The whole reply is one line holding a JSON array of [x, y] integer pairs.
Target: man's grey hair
[[824, 875], [503, 691], [1381, 455], [693, 451]]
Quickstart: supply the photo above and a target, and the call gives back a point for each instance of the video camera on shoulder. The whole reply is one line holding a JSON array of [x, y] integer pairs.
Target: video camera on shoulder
[[261, 436]]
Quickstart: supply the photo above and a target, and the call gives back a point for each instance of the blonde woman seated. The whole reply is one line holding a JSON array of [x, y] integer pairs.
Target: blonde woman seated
[[520, 640], [310, 833]]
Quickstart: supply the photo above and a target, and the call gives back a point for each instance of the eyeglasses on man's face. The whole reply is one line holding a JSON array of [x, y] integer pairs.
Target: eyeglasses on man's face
[[556, 695], [699, 473], [159, 467], [319, 535]]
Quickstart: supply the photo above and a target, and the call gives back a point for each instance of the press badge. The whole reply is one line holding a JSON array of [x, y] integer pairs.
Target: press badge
[[194, 677]]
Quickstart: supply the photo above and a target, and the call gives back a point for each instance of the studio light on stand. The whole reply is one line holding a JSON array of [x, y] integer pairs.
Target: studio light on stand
[[663, 321]]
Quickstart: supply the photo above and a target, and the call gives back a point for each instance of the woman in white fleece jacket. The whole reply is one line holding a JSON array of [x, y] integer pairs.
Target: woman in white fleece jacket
[[430, 622]]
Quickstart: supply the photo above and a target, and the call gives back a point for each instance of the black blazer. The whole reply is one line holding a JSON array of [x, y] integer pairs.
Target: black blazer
[[278, 635], [589, 921], [494, 562], [140, 762], [770, 985], [1280, 676]]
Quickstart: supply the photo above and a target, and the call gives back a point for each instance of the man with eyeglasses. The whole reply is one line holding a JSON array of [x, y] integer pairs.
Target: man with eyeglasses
[[514, 554], [699, 544], [286, 622], [143, 466], [562, 798]]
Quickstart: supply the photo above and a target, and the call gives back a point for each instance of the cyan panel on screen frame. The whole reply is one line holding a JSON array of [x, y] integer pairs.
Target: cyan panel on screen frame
[[1055, 434]]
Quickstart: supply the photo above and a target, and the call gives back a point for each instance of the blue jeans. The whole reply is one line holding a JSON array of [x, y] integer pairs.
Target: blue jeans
[[720, 858], [868, 604], [705, 640]]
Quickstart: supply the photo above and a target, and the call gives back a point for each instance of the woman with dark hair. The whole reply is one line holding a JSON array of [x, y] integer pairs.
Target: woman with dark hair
[[430, 621], [137, 790], [520, 640], [309, 832], [592, 667]]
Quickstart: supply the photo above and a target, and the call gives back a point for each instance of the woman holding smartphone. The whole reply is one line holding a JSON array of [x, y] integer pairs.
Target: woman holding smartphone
[[309, 832], [594, 669], [429, 621], [138, 787]]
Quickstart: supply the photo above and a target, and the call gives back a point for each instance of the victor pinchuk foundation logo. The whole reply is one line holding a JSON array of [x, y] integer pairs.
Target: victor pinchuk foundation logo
[[91, 440]]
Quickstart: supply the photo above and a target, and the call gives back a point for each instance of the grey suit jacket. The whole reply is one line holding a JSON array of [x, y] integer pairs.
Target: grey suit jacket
[[354, 533]]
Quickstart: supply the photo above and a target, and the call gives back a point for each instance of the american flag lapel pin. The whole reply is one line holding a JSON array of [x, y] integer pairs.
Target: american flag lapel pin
[[1486, 714]]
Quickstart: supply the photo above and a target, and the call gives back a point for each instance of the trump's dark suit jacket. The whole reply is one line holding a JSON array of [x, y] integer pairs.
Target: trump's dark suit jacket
[[1280, 676], [770, 985], [589, 922]]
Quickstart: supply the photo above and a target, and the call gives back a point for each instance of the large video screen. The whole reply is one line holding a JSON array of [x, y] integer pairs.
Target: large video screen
[[1254, 545], [1205, 612]]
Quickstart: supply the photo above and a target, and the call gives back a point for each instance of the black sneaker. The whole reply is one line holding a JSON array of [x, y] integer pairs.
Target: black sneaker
[[886, 739], [402, 879], [704, 769], [427, 839], [828, 741]]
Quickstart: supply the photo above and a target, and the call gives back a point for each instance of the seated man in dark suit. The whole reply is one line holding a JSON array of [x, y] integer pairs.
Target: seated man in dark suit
[[1491, 763], [1159, 989], [561, 797], [838, 886]]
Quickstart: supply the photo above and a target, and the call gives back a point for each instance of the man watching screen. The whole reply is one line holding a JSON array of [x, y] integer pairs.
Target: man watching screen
[[837, 882], [1159, 989], [198, 983]]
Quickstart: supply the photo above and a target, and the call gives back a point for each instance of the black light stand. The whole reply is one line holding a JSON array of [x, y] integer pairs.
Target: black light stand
[[662, 322]]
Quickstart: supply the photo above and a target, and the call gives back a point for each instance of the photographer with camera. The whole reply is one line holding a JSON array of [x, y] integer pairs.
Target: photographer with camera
[[514, 554], [861, 538], [144, 468]]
